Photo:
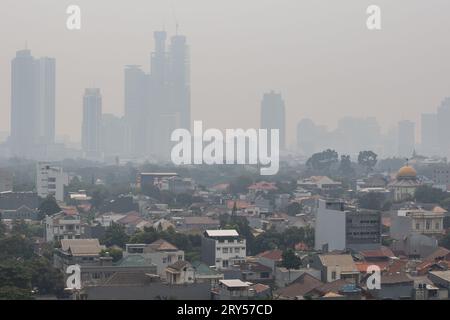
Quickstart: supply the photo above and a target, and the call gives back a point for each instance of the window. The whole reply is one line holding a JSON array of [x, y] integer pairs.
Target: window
[[428, 225], [225, 250], [237, 250], [417, 226], [333, 275], [437, 226], [225, 263], [180, 258]]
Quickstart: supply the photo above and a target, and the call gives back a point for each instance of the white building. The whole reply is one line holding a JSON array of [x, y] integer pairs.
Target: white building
[[50, 180], [63, 226], [223, 248]]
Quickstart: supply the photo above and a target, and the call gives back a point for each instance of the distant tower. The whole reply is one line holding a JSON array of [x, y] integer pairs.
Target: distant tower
[[406, 138], [179, 80], [429, 134], [46, 99], [443, 118], [24, 109], [273, 115], [137, 85], [91, 127]]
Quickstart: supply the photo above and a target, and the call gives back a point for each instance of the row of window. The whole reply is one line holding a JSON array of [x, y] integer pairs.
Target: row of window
[[428, 226], [230, 250]]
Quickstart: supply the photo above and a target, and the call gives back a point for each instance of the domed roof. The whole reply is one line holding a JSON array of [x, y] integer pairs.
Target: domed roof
[[406, 172]]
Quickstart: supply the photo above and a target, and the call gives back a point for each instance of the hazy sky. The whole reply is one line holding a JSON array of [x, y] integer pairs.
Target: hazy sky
[[317, 53]]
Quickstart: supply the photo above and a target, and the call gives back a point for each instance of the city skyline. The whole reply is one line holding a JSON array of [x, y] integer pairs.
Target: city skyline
[[227, 76]]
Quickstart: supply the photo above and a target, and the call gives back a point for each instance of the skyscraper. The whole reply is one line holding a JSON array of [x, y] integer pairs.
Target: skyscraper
[[137, 86], [273, 115], [406, 138], [91, 127], [179, 80], [24, 109], [45, 72], [32, 104], [429, 134], [443, 118]]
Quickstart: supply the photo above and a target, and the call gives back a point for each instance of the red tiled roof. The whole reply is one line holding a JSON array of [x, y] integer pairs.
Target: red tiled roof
[[363, 266], [263, 186], [301, 246], [275, 255], [379, 253]]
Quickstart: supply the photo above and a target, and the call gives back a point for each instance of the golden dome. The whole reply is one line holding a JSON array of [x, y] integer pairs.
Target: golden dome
[[406, 172]]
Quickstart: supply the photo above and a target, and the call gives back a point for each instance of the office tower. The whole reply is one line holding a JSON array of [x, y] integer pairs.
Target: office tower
[[429, 134], [114, 135], [32, 104], [91, 127], [406, 138], [45, 73], [50, 180], [310, 137], [273, 115], [443, 115], [137, 86], [24, 111], [179, 80]]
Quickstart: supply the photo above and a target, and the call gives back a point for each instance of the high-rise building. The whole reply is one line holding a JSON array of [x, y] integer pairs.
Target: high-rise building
[[137, 86], [179, 80], [273, 115], [443, 118], [91, 127], [24, 111], [32, 104], [45, 72], [406, 138], [429, 134]]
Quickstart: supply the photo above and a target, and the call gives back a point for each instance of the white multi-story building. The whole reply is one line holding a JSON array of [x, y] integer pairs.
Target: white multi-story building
[[223, 248], [63, 226], [50, 180]]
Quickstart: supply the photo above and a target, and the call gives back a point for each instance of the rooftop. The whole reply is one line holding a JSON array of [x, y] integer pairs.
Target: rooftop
[[222, 233]]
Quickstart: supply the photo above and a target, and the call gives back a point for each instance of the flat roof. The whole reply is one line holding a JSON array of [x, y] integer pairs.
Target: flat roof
[[222, 233], [234, 283]]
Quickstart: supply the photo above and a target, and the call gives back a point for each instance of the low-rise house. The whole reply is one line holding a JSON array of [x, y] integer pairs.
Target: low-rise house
[[336, 266], [284, 276], [318, 182], [234, 289], [198, 224], [160, 253], [180, 272], [441, 279], [133, 221], [393, 287], [77, 251], [271, 258], [205, 274], [299, 289]]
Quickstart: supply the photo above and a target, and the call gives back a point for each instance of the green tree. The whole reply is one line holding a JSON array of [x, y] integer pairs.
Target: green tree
[[322, 161], [368, 160], [240, 184], [290, 259], [445, 241], [345, 166], [114, 253], [115, 235], [48, 207], [14, 293], [427, 194], [294, 208]]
